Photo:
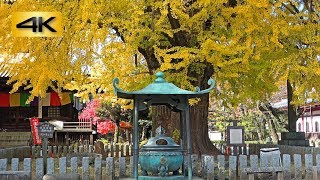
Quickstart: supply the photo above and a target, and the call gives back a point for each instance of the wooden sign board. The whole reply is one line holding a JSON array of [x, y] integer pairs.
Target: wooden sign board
[[46, 130], [235, 135]]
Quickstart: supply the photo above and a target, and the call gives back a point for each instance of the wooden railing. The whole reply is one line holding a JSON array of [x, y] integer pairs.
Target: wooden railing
[[80, 126], [68, 132]]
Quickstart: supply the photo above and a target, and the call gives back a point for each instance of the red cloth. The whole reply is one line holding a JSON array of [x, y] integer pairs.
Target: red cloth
[[34, 123], [125, 125], [54, 99], [4, 100]]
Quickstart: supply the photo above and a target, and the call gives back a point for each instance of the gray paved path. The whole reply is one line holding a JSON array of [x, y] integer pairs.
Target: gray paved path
[[194, 178]]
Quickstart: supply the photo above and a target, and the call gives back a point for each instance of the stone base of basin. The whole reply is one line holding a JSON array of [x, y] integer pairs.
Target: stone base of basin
[[159, 177]]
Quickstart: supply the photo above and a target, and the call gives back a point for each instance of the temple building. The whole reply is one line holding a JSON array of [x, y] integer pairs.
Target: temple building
[[15, 113]]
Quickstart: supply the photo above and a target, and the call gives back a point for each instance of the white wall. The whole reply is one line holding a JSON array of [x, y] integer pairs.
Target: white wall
[[312, 124], [215, 135]]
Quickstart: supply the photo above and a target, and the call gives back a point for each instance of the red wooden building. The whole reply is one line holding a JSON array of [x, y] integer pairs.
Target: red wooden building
[[15, 113]]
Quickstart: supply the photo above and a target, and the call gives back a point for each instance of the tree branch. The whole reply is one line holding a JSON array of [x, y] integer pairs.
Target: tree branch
[[180, 38], [150, 57]]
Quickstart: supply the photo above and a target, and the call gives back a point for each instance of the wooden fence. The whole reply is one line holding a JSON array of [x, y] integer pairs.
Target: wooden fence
[[206, 167], [110, 150], [250, 149]]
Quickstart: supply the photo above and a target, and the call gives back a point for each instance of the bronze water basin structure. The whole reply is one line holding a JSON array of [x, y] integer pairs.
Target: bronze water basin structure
[[161, 156]]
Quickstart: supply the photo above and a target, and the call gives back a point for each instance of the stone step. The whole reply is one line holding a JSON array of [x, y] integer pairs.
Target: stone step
[[13, 139], [294, 142], [293, 136]]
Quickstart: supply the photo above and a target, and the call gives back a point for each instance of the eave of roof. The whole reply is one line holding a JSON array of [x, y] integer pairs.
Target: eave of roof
[[161, 87]]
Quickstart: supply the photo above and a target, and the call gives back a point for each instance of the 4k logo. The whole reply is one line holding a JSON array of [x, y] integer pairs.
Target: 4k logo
[[37, 24]]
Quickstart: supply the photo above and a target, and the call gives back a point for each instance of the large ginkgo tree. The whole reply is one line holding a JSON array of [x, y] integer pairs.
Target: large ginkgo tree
[[248, 46]]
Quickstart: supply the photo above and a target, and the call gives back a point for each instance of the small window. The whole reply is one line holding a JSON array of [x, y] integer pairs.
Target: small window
[[316, 124], [299, 127], [307, 127], [54, 112]]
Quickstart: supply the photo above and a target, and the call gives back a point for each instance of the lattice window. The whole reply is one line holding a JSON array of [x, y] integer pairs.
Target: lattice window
[[53, 111]]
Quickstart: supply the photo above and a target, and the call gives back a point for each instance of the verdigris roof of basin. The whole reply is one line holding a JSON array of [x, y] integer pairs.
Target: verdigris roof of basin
[[160, 87]]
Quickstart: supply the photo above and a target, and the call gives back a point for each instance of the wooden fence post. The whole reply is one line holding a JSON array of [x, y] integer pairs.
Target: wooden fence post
[[297, 166], [85, 168], [209, 164], [316, 170], [74, 165], [243, 163], [254, 163], [131, 166], [308, 165], [286, 166], [97, 168], [195, 167], [50, 166], [27, 166], [232, 167], [39, 168], [63, 165], [264, 160], [110, 168], [221, 167], [3, 164], [122, 167], [14, 164]]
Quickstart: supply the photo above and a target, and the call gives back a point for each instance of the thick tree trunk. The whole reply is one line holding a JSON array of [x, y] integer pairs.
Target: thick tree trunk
[[164, 116], [200, 141], [170, 120]]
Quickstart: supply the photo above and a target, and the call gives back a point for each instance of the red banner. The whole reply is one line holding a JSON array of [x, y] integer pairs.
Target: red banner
[[34, 123]]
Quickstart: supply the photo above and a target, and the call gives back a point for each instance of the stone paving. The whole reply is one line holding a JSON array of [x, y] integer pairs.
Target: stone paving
[[194, 178]]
